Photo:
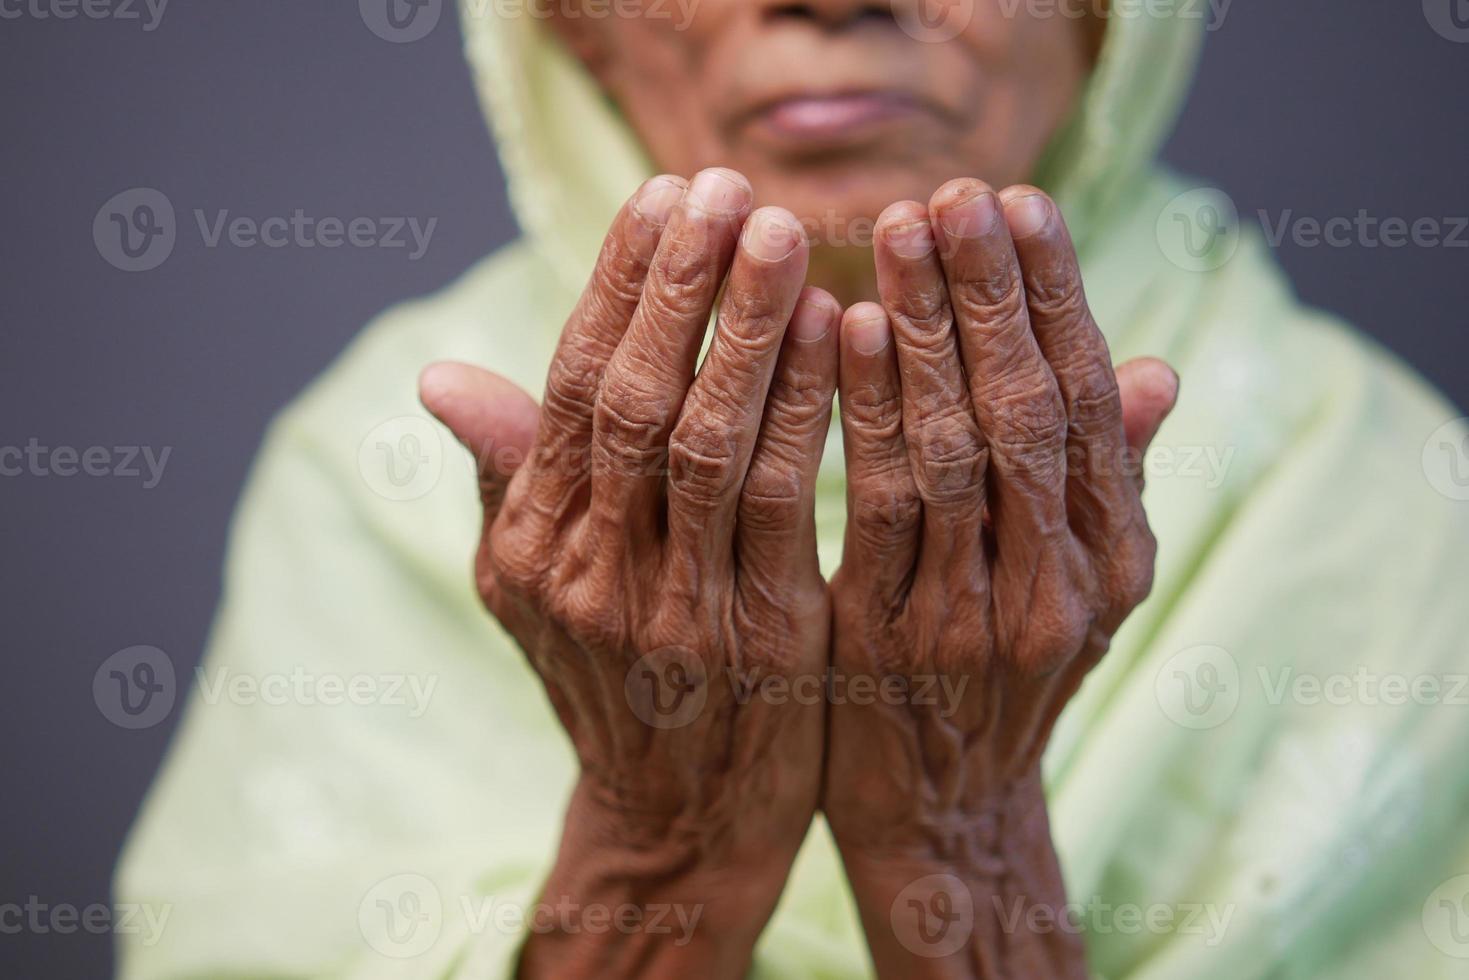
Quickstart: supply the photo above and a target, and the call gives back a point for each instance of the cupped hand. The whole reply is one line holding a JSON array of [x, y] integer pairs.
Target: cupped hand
[[654, 555], [995, 542]]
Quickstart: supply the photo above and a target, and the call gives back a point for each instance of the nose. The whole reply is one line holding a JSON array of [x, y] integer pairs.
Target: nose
[[831, 14]]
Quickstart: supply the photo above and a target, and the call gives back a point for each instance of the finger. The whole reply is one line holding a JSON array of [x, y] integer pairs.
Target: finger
[[884, 512], [777, 510], [1149, 389], [648, 375], [595, 328], [945, 448], [492, 417], [1014, 393], [709, 450], [1103, 496]]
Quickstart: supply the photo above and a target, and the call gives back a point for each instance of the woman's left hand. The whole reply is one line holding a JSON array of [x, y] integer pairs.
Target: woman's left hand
[[995, 542]]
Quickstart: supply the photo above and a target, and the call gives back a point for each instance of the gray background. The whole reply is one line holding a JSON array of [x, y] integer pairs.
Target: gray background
[[267, 106]]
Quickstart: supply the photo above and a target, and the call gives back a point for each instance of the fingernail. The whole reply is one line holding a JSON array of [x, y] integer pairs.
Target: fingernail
[[770, 235], [655, 200], [970, 218], [1028, 215], [869, 335], [811, 321], [719, 191], [910, 241]]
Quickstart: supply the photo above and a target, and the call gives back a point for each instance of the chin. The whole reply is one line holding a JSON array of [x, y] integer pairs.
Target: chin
[[839, 205]]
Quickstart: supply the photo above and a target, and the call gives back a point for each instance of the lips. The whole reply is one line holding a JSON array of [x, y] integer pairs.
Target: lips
[[830, 120]]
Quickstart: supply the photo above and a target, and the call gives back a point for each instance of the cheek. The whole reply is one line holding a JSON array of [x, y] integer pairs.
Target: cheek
[[1031, 71], [656, 74]]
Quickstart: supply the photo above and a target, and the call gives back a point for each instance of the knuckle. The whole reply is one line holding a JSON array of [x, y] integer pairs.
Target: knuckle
[[885, 510], [876, 409], [701, 459], [1028, 426], [1132, 581], [747, 316], [772, 498], [629, 421], [798, 402], [517, 568], [924, 321], [951, 457], [1096, 408], [992, 299], [682, 283], [619, 277], [573, 379], [595, 625], [1056, 295]]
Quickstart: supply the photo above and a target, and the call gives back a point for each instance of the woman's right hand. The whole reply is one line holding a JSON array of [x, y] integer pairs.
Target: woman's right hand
[[654, 553]]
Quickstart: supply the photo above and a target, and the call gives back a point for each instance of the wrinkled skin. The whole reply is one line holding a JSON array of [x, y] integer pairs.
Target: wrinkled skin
[[656, 550], [995, 534], [649, 535]]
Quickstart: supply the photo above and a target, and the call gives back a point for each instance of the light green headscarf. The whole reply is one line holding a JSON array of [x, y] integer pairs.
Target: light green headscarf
[[1239, 791]]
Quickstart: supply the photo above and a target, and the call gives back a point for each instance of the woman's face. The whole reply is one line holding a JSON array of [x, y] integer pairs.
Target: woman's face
[[835, 109]]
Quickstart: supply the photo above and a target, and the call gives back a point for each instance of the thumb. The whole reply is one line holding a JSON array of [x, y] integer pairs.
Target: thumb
[[1149, 389], [494, 419]]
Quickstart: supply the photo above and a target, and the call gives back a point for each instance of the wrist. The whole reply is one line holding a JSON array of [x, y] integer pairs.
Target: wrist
[[649, 895], [958, 895]]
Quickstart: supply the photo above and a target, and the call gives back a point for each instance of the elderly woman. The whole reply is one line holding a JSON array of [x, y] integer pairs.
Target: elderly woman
[[816, 697]]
